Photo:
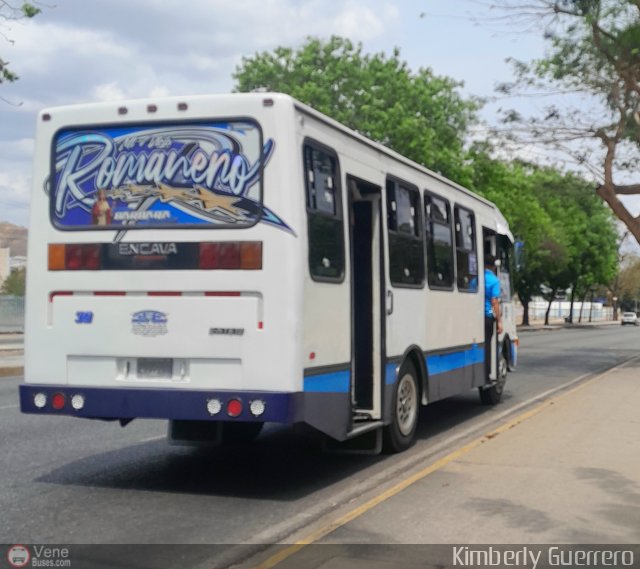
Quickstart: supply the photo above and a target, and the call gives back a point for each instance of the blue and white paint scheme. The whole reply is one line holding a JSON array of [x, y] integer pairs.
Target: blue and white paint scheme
[[193, 256]]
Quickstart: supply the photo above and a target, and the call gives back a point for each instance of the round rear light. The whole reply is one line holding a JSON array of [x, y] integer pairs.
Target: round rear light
[[77, 401], [234, 407], [58, 400], [40, 400], [257, 407], [214, 406]]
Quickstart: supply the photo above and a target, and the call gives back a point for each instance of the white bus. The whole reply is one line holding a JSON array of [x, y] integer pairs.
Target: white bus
[[225, 261]]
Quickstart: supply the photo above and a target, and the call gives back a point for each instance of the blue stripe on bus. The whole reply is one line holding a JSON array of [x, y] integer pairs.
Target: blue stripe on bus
[[339, 381], [335, 382], [390, 373], [443, 363]]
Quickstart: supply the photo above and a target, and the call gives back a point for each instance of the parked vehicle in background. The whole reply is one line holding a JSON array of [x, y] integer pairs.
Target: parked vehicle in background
[[630, 318]]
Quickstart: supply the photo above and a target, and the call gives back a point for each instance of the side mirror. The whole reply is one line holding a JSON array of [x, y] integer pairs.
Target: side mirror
[[518, 255]]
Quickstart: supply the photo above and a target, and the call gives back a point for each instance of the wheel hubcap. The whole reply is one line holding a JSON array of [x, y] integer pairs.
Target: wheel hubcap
[[407, 405]]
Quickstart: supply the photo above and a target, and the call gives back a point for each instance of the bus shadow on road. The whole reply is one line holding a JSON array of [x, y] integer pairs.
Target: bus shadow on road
[[282, 464]]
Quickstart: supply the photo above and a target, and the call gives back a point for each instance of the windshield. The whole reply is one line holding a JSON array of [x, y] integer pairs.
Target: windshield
[[202, 174]]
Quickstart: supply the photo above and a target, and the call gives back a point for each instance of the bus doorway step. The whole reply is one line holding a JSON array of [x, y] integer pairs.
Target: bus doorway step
[[361, 416]]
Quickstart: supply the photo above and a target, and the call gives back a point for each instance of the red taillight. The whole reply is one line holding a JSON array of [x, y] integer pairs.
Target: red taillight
[[219, 255], [79, 257], [234, 407], [231, 255], [57, 401], [208, 258]]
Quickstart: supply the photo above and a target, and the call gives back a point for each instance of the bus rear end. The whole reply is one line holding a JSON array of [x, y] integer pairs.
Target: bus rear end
[[162, 250]]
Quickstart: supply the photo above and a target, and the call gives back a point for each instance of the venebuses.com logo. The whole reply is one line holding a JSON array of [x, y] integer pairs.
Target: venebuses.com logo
[[19, 555]]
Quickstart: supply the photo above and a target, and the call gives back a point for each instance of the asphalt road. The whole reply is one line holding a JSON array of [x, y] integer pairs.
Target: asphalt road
[[74, 481]]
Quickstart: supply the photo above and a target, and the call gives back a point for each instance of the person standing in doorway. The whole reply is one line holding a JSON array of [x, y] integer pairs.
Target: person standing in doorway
[[491, 307]]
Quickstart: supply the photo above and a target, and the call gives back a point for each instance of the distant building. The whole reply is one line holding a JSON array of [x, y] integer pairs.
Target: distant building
[[5, 264], [18, 262]]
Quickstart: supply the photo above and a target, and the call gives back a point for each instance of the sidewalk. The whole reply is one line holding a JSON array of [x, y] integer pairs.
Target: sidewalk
[[11, 354], [566, 472]]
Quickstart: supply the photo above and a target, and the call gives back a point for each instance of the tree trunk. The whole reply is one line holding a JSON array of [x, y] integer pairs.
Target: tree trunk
[[591, 307], [573, 295], [551, 299], [525, 312], [581, 307]]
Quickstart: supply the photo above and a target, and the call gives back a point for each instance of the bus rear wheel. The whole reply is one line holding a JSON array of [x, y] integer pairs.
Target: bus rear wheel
[[493, 395], [400, 434]]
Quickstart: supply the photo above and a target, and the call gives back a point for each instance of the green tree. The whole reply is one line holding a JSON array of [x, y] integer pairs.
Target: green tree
[[586, 236], [594, 51], [420, 115], [10, 11], [569, 234], [510, 187], [14, 284], [626, 286]]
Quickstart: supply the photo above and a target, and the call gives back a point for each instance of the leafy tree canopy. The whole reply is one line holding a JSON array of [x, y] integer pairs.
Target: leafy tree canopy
[[594, 50], [569, 234], [420, 115]]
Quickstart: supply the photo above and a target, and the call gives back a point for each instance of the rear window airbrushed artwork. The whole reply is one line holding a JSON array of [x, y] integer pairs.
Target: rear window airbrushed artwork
[[142, 176]]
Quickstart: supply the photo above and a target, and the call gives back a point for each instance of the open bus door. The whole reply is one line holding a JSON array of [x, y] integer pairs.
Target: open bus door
[[491, 393], [367, 319]]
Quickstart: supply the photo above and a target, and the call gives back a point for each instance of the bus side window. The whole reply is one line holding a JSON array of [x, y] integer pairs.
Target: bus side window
[[439, 242], [406, 249], [324, 214], [466, 256]]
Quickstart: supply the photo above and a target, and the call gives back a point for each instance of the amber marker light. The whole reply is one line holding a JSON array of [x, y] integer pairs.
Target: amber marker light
[[251, 255], [56, 257]]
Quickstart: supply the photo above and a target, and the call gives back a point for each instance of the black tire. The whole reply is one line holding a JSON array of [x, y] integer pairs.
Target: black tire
[[400, 434], [240, 432], [493, 395]]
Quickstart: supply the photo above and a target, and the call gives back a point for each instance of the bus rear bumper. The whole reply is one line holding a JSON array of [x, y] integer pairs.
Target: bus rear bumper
[[175, 404]]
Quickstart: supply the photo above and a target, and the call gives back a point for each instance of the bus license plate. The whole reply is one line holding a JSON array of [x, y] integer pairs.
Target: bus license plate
[[155, 368]]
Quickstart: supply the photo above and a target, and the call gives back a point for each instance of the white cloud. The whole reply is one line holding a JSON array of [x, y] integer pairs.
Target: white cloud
[[15, 191], [43, 47], [108, 92], [358, 21], [17, 150], [159, 92]]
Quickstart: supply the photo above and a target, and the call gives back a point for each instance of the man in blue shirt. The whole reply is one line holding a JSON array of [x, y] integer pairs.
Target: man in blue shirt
[[491, 307]]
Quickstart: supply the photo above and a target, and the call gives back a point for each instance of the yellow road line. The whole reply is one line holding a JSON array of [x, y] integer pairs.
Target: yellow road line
[[400, 486]]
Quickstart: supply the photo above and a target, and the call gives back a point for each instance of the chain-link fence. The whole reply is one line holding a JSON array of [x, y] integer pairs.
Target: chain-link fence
[[11, 313]]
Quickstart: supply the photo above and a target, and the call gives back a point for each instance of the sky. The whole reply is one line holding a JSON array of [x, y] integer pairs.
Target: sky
[[99, 50]]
